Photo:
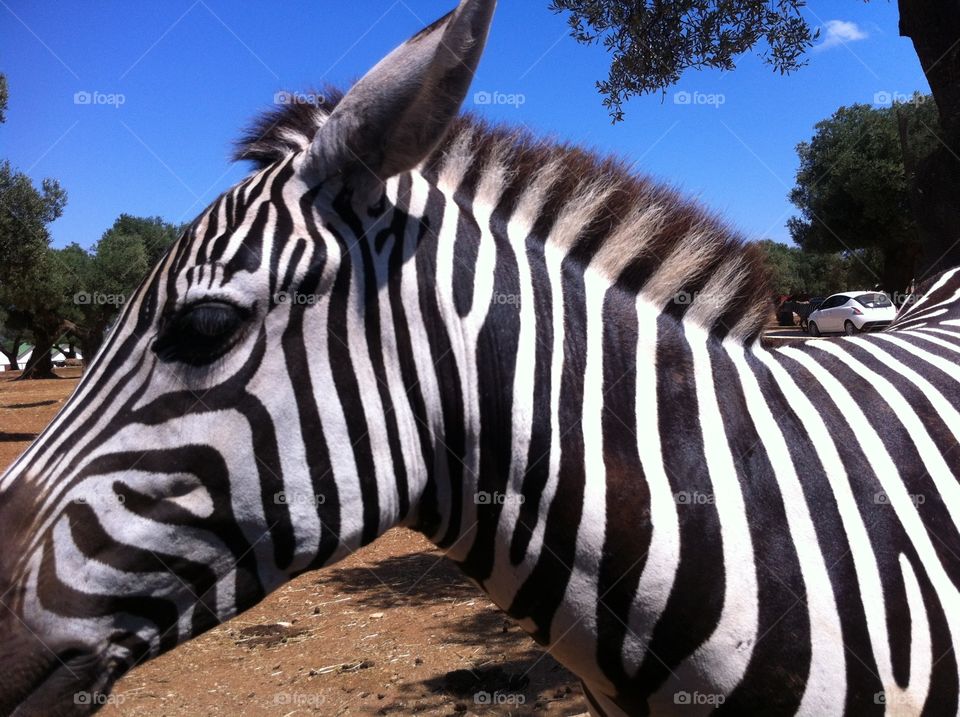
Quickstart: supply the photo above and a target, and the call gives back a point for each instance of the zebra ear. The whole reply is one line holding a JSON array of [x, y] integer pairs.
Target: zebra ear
[[395, 116]]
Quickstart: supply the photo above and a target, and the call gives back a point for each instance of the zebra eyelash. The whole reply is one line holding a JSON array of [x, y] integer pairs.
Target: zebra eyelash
[[201, 332]]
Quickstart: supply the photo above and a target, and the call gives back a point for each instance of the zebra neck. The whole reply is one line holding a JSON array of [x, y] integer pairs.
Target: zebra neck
[[570, 411], [538, 382]]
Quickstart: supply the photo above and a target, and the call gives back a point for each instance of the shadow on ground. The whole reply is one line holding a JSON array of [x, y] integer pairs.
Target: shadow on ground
[[13, 437], [35, 404], [516, 687]]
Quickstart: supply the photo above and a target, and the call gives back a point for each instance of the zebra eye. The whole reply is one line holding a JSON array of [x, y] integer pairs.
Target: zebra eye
[[200, 333]]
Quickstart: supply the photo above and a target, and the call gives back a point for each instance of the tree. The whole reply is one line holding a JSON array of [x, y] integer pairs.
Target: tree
[[852, 190], [25, 278], [934, 28], [24, 215], [74, 295], [76, 268], [119, 262], [154, 233], [41, 302], [795, 272], [29, 273], [653, 42], [111, 273], [3, 98], [10, 348], [11, 340]]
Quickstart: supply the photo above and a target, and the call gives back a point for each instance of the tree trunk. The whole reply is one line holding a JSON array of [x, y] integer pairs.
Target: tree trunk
[[13, 353], [938, 184], [910, 163], [91, 339], [40, 364], [898, 271], [92, 342], [934, 28], [917, 208]]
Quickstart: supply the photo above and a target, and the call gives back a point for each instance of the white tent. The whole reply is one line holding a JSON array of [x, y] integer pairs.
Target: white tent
[[27, 351], [59, 357]]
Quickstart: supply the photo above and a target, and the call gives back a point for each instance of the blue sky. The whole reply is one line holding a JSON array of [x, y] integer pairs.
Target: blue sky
[[172, 84]]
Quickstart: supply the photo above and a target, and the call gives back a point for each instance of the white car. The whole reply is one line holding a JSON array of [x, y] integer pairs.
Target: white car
[[852, 312]]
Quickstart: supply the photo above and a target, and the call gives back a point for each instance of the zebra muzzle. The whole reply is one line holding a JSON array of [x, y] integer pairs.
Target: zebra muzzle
[[37, 680]]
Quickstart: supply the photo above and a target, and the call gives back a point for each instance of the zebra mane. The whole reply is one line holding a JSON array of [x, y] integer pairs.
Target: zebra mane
[[641, 234], [287, 128]]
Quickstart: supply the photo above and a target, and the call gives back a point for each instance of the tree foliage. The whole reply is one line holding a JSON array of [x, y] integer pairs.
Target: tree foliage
[[153, 233], [74, 294], [40, 304], [795, 272], [3, 98], [30, 272], [117, 264], [853, 192], [652, 42], [31, 279], [25, 213]]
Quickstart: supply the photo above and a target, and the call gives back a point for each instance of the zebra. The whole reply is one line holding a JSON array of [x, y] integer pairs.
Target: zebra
[[551, 367]]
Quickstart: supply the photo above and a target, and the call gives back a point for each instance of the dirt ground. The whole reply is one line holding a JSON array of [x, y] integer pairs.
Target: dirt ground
[[394, 629]]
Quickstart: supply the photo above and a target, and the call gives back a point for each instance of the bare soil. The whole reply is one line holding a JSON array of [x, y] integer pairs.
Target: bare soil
[[393, 629]]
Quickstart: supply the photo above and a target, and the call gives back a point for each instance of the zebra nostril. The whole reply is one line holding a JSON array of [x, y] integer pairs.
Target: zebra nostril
[[38, 679], [63, 687], [72, 655]]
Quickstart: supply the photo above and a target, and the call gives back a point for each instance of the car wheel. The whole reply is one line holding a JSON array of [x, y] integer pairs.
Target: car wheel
[[849, 328], [812, 328]]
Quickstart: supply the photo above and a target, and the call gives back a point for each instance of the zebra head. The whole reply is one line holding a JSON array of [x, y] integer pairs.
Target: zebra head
[[209, 453]]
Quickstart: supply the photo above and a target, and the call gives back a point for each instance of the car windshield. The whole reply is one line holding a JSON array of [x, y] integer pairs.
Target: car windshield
[[873, 301]]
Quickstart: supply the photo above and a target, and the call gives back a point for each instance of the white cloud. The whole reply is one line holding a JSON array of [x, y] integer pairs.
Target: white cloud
[[840, 32]]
